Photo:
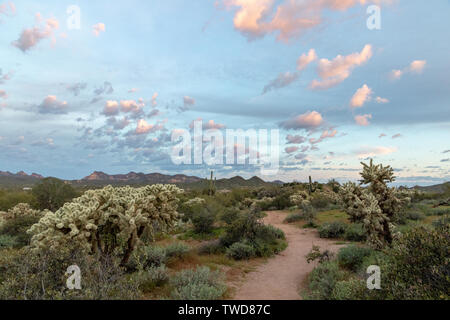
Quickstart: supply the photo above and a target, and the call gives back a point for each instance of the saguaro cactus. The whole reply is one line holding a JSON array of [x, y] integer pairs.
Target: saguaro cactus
[[312, 187], [212, 184]]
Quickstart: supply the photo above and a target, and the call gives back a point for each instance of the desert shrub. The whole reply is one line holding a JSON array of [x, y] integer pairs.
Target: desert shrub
[[199, 284], [11, 198], [229, 215], [31, 275], [17, 229], [266, 240], [241, 251], [320, 201], [151, 278], [352, 257], [355, 232], [415, 215], [316, 254], [177, 250], [323, 279], [8, 242], [332, 230], [203, 221], [440, 211], [212, 247], [52, 193], [293, 217], [417, 265], [351, 289], [442, 222]]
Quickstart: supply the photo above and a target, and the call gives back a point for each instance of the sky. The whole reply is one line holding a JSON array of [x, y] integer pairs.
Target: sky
[[102, 86]]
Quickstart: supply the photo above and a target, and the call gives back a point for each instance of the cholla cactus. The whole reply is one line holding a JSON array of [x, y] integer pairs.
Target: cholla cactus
[[195, 202], [301, 198], [21, 209], [376, 205], [107, 220]]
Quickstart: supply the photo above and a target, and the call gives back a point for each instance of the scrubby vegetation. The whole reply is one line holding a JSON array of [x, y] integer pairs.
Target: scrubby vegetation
[[161, 242]]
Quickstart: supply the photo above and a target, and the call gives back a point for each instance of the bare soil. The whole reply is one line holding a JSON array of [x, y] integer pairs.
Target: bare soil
[[283, 276]]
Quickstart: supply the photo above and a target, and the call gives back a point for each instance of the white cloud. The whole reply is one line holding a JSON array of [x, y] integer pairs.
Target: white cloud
[[51, 105], [369, 151], [98, 28]]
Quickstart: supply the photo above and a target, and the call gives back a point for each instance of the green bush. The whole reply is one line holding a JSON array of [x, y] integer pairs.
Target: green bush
[[17, 228], [152, 278], [203, 221], [442, 222], [7, 242], [352, 257], [293, 217], [320, 201], [351, 289], [241, 251], [211, 247], [177, 250], [29, 275], [332, 230], [355, 232], [415, 215], [230, 215], [440, 211], [199, 284], [417, 265], [323, 279]]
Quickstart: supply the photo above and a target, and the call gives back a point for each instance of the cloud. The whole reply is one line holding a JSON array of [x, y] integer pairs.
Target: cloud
[[132, 106], [446, 151], [382, 135], [154, 97], [284, 79], [118, 124], [29, 38], [295, 139], [133, 90], [143, 127], [188, 101], [3, 94], [306, 59], [7, 9], [98, 28], [340, 68], [212, 125], [290, 150], [382, 100], [396, 136], [77, 88], [417, 67], [5, 77], [111, 108], [308, 121], [51, 105], [445, 160], [366, 152], [325, 135], [107, 88], [363, 120], [361, 96], [288, 19]]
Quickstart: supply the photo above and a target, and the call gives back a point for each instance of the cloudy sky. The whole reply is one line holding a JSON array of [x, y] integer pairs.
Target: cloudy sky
[[107, 93]]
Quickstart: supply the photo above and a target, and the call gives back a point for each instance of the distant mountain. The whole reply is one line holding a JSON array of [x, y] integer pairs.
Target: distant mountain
[[19, 179], [438, 188], [102, 178]]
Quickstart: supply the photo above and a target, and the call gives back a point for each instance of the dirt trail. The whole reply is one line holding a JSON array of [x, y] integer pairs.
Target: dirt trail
[[280, 278]]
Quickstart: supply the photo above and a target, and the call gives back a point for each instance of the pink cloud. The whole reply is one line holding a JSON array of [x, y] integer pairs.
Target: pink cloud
[[340, 68], [295, 139], [98, 28], [29, 38], [365, 152], [363, 120], [417, 67], [361, 96], [111, 108], [308, 121], [306, 59], [290, 150]]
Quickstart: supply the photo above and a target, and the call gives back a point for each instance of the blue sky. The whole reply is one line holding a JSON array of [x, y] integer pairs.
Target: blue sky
[[368, 93]]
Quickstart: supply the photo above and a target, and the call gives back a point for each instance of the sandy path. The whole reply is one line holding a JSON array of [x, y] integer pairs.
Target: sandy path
[[281, 276]]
